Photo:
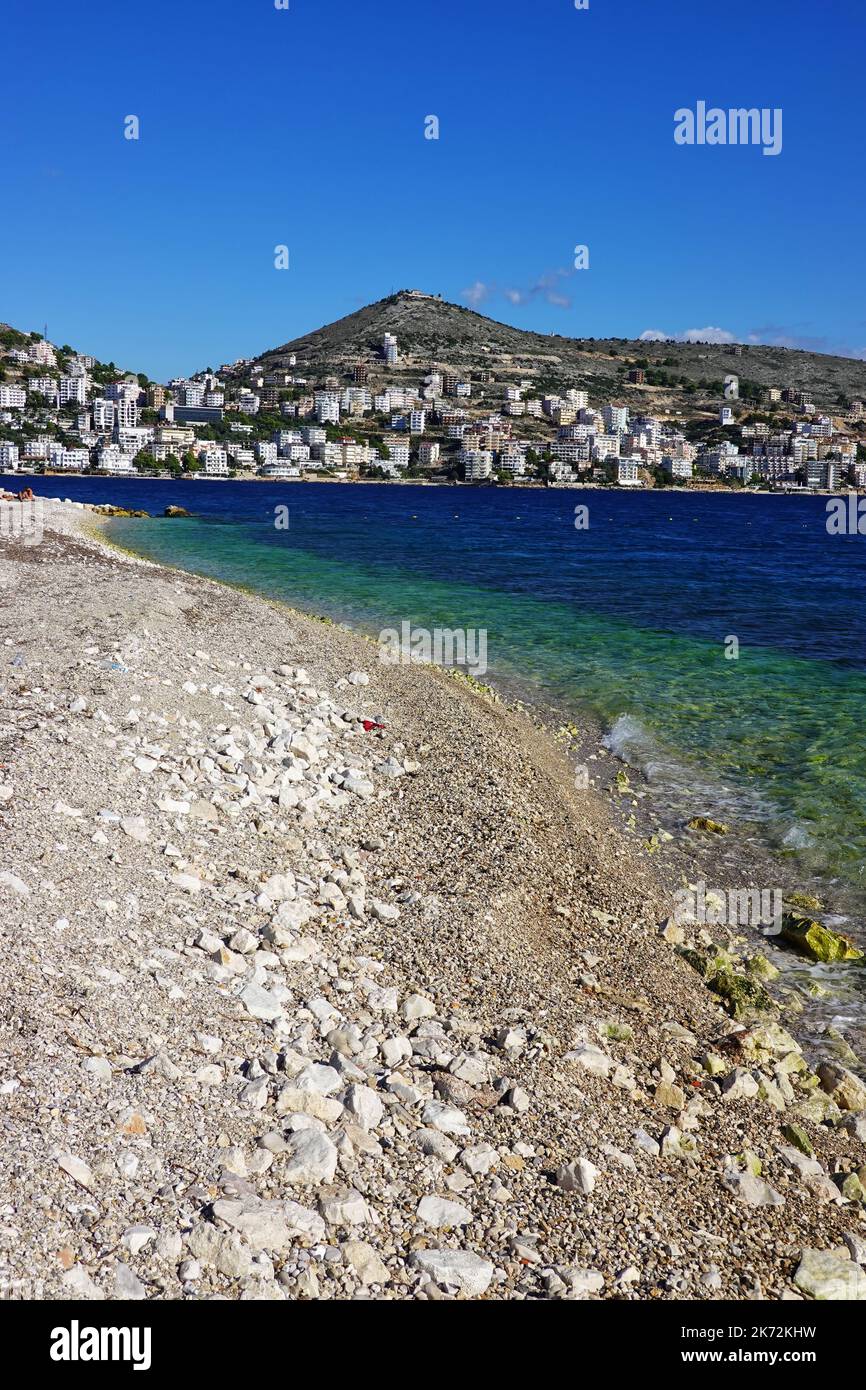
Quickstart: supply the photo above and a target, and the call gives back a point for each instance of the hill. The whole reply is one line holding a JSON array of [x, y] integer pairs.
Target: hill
[[430, 330]]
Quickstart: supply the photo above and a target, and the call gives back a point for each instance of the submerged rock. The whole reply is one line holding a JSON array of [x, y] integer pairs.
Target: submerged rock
[[176, 511], [708, 826], [106, 509]]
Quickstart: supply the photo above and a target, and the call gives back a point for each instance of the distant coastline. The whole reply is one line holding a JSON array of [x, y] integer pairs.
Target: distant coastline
[[485, 486]]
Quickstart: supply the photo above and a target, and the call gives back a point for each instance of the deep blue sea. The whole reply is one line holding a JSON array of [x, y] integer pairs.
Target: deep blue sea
[[630, 619]]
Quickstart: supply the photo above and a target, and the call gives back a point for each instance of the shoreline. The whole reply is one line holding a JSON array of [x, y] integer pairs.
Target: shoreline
[[449, 1054], [654, 817], [577, 485]]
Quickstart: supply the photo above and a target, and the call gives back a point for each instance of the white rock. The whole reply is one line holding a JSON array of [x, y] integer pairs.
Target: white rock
[[578, 1176], [583, 1282], [454, 1269], [441, 1214], [80, 1285], [262, 1224], [17, 885], [362, 1258], [310, 1158], [260, 1003], [856, 1246], [755, 1192], [344, 1207], [188, 883], [395, 1050], [137, 1237], [417, 1006], [363, 1103], [592, 1059], [739, 1085], [136, 828], [480, 1159], [318, 1077], [446, 1118], [827, 1276], [77, 1169]]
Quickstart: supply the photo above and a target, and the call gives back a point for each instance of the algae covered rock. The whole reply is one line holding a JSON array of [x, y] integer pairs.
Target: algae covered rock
[[708, 826], [806, 902], [707, 963], [796, 1135], [812, 939], [176, 511], [107, 509], [743, 997], [760, 967]]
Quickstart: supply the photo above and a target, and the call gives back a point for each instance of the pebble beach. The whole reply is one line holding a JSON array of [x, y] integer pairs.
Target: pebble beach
[[321, 979]]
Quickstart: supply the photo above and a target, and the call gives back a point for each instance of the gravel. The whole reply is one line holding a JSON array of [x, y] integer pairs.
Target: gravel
[[295, 1006]]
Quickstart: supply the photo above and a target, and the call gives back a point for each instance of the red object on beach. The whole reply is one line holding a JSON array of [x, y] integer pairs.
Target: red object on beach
[[369, 724]]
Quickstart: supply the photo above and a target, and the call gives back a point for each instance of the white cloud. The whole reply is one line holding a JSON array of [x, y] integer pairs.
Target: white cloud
[[708, 335], [545, 287], [691, 335], [477, 293]]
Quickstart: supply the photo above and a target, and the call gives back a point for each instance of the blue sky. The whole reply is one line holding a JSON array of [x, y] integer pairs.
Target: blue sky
[[305, 127]]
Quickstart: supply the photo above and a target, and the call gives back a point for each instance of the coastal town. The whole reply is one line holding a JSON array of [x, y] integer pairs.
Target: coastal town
[[391, 416]]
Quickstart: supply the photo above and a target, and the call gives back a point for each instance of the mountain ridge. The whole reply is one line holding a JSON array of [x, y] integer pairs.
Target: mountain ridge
[[431, 330]]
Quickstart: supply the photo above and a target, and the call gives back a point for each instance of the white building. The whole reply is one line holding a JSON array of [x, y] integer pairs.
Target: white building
[[353, 454], [677, 467], [12, 398], [627, 475], [112, 461], [104, 415], [44, 386], [327, 405], [512, 459], [478, 464], [214, 461], [428, 453], [726, 415], [399, 452], [126, 413], [605, 446], [128, 389], [417, 421], [240, 456], [71, 460], [43, 353], [279, 471], [615, 418], [8, 455], [72, 390], [37, 448]]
